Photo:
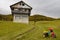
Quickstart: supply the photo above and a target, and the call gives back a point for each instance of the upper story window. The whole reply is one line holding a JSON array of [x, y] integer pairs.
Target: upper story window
[[23, 4], [29, 10], [25, 10], [20, 3], [15, 9], [20, 9]]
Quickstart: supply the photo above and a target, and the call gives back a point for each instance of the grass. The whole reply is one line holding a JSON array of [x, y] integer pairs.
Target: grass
[[40, 27], [10, 30]]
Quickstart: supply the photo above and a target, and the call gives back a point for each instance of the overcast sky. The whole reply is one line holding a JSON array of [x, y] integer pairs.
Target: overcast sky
[[49, 8]]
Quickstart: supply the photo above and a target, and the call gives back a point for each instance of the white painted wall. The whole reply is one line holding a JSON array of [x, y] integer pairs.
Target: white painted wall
[[21, 18]]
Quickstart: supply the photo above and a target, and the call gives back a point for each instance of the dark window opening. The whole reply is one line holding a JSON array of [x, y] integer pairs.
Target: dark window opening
[[25, 10], [23, 4], [20, 3], [12, 8], [15, 9], [29, 10]]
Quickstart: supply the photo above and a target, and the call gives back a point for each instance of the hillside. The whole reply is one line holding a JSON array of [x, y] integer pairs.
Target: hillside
[[40, 18], [6, 17]]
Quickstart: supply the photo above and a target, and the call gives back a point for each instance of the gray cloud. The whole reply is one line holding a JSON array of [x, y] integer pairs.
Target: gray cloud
[[44, 7]]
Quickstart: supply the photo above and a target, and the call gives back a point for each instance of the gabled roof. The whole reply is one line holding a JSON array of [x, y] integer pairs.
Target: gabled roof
[[21, 2]]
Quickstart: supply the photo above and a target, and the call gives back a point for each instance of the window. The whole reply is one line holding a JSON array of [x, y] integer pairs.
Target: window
[[29, 10], [22, 10], [24, 16], [25, 10], [15, 9], [23, 4], [20, 3], [17, 17], [12, 8]]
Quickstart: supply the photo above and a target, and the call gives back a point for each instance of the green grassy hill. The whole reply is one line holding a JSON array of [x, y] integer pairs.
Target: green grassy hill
[[40, 18], [6, 17], [31, 31]]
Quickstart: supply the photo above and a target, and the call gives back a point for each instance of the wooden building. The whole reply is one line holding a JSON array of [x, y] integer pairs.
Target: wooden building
[[21, 12]]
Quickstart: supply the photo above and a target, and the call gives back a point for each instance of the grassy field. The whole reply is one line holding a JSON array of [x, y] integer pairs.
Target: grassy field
[[31, 31]]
